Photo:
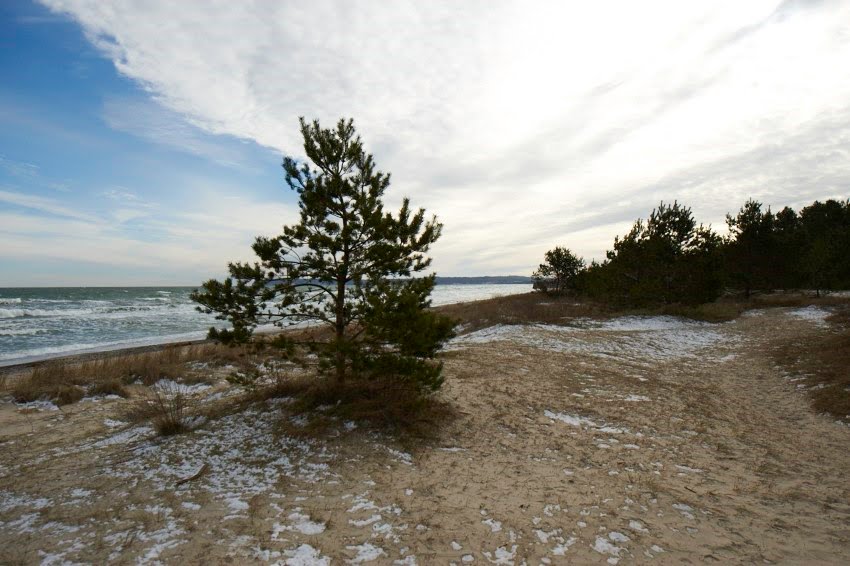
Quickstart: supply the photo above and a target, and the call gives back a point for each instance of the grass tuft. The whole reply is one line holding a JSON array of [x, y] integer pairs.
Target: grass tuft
[[109, 386], [165, 408], [50, 382]]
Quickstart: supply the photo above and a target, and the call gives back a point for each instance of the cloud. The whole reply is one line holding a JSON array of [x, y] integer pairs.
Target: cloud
[[154, 123], [30, 173], [123, 194], [155, 243], [522, 126], [42, 204], [18, 168]]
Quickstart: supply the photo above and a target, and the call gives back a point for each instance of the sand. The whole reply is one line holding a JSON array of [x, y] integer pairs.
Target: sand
[[631, 441]]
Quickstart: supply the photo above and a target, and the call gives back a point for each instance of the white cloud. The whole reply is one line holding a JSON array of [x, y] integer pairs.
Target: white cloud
[[189, 245], [42, 204], [153, 122], [121, 194], [30, 173], [522, 125]]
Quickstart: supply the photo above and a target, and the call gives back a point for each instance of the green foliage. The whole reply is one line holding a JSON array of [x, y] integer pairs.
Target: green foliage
[[559, 272], [246, 379], [667, 259], [786, 250], [825, 236], [751, 250], [344, 265], [670, 260]]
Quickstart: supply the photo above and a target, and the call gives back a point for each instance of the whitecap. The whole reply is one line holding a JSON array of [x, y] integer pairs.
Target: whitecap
[[21, 331]]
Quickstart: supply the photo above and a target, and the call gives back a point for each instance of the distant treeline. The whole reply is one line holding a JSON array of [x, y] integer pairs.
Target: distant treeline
[[485, 280], [476, 280], [669, 258]]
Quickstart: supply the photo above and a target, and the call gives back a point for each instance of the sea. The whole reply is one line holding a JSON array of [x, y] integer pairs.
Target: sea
[[41, 323]]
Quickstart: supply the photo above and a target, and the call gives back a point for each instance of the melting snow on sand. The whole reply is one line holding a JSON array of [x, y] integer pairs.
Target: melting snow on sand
[[642, 338], [816, 315]]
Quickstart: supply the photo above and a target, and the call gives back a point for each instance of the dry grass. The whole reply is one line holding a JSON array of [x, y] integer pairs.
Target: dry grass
[[521, 309], [792, 299], [109, 386], [539, 308], [386, 405], [54, 382], [825, 363], [167, 409], [69, 380]]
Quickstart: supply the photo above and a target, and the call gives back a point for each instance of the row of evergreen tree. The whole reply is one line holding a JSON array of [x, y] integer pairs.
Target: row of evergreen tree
[[669, 258]]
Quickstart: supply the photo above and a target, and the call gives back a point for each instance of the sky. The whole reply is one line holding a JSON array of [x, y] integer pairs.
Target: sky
[[141, 142]]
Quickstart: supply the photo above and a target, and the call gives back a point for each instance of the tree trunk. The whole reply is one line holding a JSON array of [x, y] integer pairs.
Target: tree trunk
[[340, 330]]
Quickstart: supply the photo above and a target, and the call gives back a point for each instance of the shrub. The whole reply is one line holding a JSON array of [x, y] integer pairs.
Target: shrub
[[109, 386], [166, 409]]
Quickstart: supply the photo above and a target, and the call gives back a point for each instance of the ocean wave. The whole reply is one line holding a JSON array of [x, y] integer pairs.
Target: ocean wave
[[109, 312], [21, 331], [43, 313], [11, 313], [10, 301], [86, 347]]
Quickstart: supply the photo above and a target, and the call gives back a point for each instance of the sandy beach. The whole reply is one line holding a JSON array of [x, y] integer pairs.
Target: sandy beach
[[627, 440]]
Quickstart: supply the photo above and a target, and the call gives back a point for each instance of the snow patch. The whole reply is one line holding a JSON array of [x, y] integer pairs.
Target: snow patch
[[502, 555], [602, 546], [638, 527], [365, 553], [39, 405], [305, 555], [685, 510], [561, 549], [658, 338], [365, 522], [815, 315]]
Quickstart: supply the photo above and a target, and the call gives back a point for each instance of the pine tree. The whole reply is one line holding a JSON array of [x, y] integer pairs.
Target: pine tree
[[559, 271], [825, 228], [751, 248], [347, 265], [667, 259]]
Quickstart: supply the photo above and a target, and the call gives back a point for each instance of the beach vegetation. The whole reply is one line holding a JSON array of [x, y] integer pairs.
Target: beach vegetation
[[822, 365], [666, 259], [559, 271], [670, 261], [165, 406], [347, 269], [67, 381], [108, 386], [752, 250]]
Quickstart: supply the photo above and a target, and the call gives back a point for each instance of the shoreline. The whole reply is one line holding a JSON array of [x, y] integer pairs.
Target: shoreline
[[114, 351], [90, 349], [17, 365], [457, 310], [92, 355]]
